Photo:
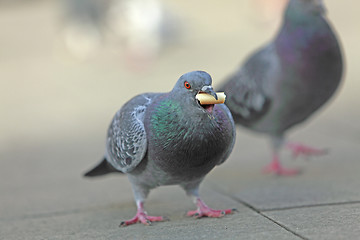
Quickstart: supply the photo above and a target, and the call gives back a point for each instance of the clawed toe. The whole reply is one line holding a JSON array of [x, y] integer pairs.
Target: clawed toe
[[144, 219], [298, 149], [209, 213], [276, 168], [204, 211], [280, 171]]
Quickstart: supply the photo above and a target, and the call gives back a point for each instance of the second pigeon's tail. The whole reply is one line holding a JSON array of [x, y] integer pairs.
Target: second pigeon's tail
[[101, 169]]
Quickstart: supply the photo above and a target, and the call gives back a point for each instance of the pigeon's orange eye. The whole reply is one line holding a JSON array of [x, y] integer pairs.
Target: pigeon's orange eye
[[187, 85]]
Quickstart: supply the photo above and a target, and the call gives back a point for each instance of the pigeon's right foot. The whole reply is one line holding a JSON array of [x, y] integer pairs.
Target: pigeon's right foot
[[276, 168]]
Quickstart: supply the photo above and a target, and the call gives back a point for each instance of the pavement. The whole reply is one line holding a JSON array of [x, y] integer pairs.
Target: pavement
[[55, 111]]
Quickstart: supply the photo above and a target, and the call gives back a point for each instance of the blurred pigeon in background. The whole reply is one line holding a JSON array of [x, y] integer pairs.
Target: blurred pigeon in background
[[145, 28], [169, 138], [84, 25], [288, 79], [142, 27]]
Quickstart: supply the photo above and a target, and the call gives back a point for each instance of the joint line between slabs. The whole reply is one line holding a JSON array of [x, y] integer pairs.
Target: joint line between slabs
[[267, 217], [311, 206]]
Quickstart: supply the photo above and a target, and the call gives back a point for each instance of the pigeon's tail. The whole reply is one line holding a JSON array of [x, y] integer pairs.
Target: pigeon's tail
[[101, 169]]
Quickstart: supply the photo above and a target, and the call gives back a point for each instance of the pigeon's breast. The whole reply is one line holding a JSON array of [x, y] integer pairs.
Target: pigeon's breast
[[186, 145]]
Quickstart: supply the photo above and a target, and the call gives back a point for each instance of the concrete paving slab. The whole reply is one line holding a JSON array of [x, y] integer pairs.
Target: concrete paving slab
[[101, 222], [45, 197], [48, 178], [327, 179], [324, 222]]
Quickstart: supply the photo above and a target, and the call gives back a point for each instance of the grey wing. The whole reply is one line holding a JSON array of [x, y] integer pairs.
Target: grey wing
[[126, 141], [248, 90], [233, 133]]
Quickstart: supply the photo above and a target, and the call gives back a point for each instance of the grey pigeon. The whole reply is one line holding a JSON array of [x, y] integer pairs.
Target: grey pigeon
[[287, 80], [145, 29], [169, 138], [84, 25]]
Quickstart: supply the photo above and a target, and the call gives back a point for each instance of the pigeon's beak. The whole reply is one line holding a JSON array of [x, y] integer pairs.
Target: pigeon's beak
[[209, 90]]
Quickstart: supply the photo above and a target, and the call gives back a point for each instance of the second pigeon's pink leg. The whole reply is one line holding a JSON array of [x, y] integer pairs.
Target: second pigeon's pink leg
[[300, 149], [204, 211], [275, 167]]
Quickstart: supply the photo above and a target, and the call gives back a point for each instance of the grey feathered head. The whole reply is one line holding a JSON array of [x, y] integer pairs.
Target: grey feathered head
[[191, 84]]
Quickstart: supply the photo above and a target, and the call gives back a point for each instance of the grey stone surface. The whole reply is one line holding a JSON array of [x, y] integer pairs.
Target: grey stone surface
[[48, 178], [332, 178], [101, 222], [325, 222]]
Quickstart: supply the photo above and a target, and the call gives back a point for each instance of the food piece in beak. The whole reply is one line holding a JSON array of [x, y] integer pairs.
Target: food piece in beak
[[206, 99]]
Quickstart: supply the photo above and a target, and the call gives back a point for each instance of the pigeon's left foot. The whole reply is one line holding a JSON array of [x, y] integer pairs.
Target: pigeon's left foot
[[204, 211], [300, 149], [143, 218], [275, 167]]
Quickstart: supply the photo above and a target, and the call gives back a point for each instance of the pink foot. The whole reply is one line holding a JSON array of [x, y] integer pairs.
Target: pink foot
[[275, 167], [204, 211], [143, 218], [299, 149]]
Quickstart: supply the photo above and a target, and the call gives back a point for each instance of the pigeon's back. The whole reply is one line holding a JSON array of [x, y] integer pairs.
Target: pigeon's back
[[311, 69]]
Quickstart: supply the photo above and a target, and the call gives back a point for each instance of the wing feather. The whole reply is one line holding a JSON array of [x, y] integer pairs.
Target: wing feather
[[126, 141], [249, 90]]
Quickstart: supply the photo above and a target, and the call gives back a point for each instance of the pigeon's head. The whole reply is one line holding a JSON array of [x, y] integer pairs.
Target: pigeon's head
[[191, 84], [305, 8]]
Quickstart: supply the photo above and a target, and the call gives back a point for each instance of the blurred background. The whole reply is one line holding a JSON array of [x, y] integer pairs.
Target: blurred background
[[67, 66], [52, 89]]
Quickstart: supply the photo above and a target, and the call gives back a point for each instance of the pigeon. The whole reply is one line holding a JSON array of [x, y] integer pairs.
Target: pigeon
[[145, 29], [84, 25], [169, 139], [284, 82], [141, 29]]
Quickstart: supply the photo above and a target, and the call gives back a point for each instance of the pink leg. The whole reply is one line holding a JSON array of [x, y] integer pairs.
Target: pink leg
[[300, 149], [142, 217], [204, 211], [275, 167]]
